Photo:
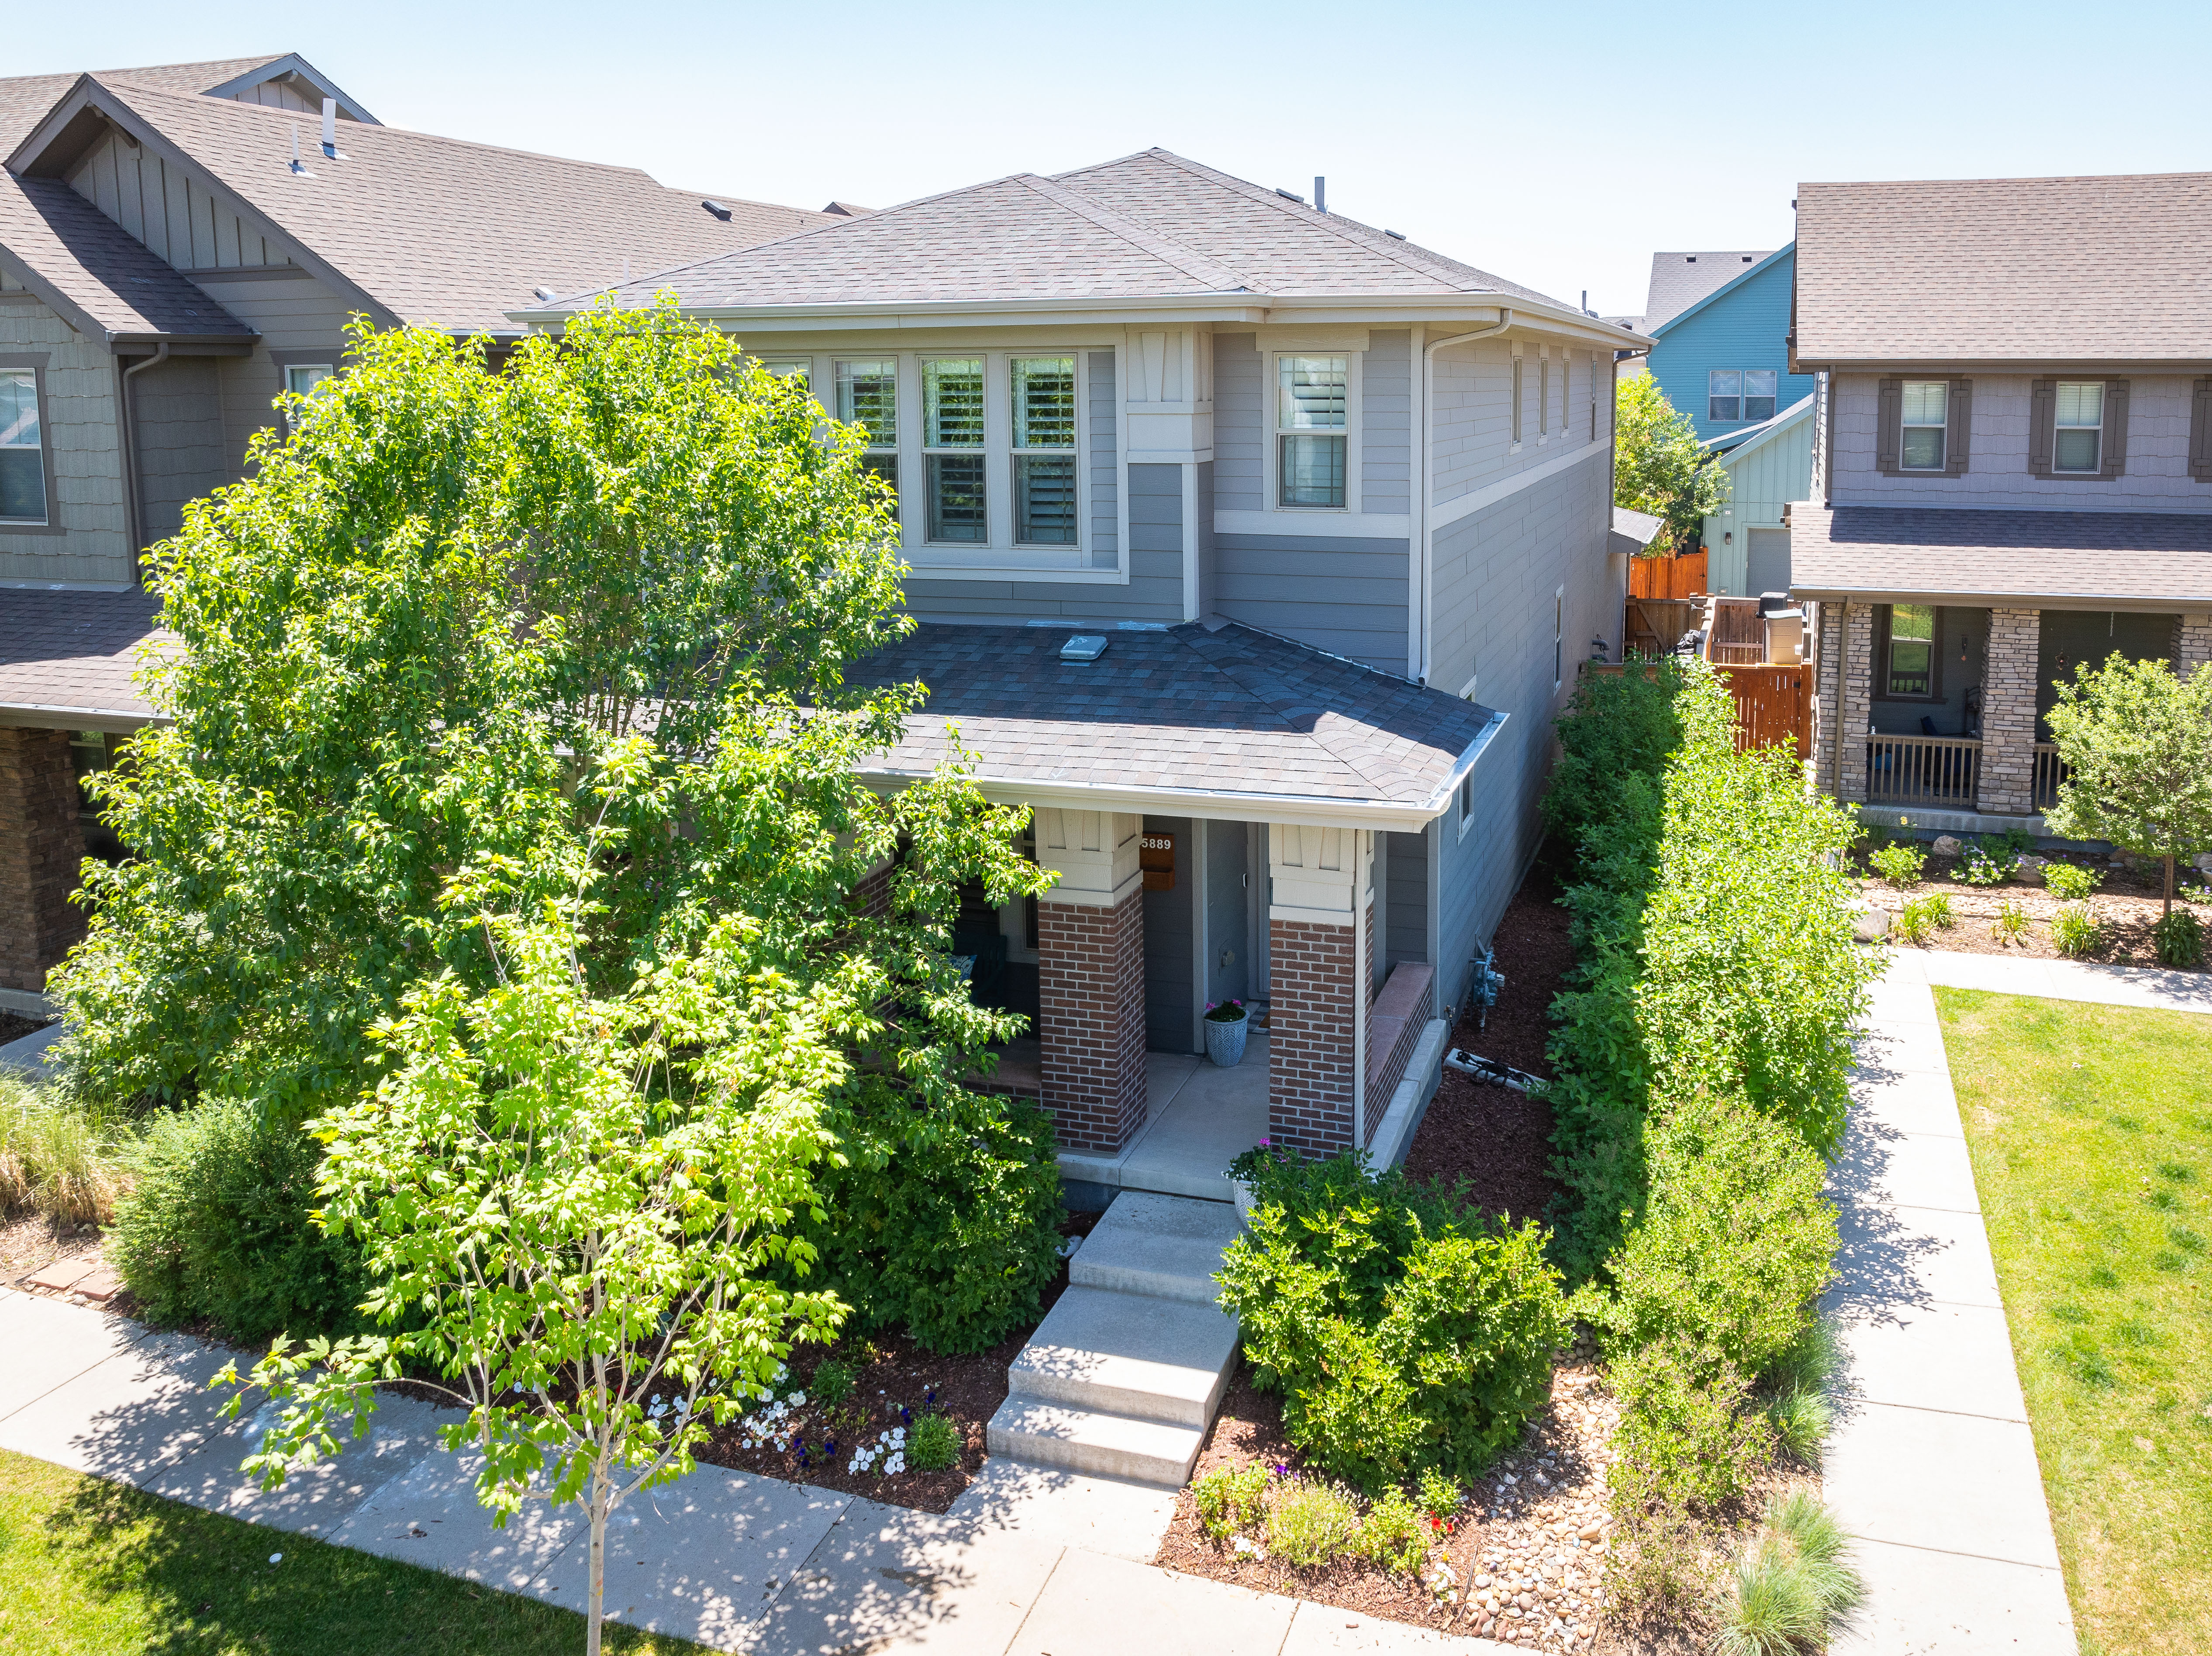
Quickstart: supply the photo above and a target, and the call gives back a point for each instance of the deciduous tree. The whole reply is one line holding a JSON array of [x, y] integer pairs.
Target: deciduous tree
[[2135, 738], [1659, 465]]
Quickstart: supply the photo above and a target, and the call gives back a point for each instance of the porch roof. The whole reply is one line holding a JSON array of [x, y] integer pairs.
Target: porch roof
[[1210, 718], [2038, 560], [66, 658]]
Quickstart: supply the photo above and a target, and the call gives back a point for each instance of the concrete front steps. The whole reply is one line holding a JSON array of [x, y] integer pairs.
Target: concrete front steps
[[1122, 1377]]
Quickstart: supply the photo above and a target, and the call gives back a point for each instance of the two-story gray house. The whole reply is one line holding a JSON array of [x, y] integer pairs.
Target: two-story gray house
[[1256, 550], [2012, 470], [178, 245]]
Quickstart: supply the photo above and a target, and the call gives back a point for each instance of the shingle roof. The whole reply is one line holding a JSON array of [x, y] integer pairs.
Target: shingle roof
[[2006, 269], [66, 658], [103, 278], [1232, 711], [2083, 560], [1149, 225], [1680, 280], [441, 231], [25, 99]]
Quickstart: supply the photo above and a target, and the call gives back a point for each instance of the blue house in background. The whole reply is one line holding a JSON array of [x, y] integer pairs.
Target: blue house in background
[[1720, 322]]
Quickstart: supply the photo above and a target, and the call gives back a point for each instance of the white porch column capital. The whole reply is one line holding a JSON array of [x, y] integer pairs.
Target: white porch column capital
[[1322, 875], [1093, 851]]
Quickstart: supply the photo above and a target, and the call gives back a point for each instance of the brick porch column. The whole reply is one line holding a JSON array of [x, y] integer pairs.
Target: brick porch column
[[41, 845], [2009, 714], [1321, 923], [1091, 978], [2192, 641]]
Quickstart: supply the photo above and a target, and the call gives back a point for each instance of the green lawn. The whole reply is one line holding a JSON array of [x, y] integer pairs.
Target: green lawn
[[92, 1567], [2091, 1133]]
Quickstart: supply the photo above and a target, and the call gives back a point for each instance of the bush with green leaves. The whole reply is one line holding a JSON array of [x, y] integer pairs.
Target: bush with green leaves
[[1978, 865], [1688, 1437], [1900, 864], [2135, 742], [1310, 1522], [1230, 1498], [2069, 882], [219, 1225], [1403, 1334], [2076, 930], [946, 1224], [2179, 938], [1395, 1533], [933, 1444]]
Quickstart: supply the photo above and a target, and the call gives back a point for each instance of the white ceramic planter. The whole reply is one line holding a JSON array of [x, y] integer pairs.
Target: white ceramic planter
[[1242, 1192], [1225, 1041]]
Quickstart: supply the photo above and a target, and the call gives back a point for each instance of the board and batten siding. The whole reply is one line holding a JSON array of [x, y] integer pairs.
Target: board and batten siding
[[1239, 408], [1405, 861], [164, 207], [1997, 476], [80, 429], [1762, 482], [177, 423]]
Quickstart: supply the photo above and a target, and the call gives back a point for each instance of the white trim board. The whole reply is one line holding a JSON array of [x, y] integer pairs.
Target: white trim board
[[1466, 506], [1318, 524]]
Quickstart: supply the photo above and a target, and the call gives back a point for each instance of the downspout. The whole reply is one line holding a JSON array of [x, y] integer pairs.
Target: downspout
[[1423, 483], [133, 510]]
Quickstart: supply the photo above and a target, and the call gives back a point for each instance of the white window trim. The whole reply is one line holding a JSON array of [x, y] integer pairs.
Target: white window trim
[[1543, 395], [1355, 397], [1514, 392], [1903, 426], [2104, 394], [47, 522], [1559, 638]]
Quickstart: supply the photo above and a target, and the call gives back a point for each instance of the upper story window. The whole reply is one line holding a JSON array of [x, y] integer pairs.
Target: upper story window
[[1312, 421], [1736, 395], [1516, 401], [22, 451], [867, 397], [1922, 425], [1543, 396], [1043, 399], [2078, 442], [953, 448], [783, 367], [302, 379]]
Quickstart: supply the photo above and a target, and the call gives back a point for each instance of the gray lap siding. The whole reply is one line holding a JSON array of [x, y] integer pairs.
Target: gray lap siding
[[1345, 595]]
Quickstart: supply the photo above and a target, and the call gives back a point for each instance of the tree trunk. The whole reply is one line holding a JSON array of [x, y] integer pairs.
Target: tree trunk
[[600, 1491], [2169, 887]]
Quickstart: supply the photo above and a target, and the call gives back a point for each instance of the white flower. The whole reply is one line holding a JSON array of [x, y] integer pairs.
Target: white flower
[[797, 1400]]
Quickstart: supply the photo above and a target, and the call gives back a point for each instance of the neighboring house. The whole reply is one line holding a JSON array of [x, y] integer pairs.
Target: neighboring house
[[178, 245], [1720, 339], [1769, 465], [1338, 509], [2012, 467]]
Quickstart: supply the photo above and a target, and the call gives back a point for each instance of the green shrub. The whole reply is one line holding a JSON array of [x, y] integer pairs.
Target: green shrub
[[1735, 1244], [1310, 1522], [1686, 1438], [1655, 1567], [1988, 861], [831, 1385], [55, 1156], [1900, 864], [2179, 938], [217, 1225], [2069, 882], [1617, 725], [945, 1222], [1441, 1498], [1790, 1583], [2076, 930], [1403, 1335], [2011, 923], [1230, 1498], [1395, 1533], [933, 1444]]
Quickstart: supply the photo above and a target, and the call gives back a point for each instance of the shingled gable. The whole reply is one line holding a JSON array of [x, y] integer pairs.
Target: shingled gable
[[1933, 271], [411, 227], [1221, 720], [1149, 226]]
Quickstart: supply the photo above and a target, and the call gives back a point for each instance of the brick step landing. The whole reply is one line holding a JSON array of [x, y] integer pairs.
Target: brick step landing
[[1123, 1376]]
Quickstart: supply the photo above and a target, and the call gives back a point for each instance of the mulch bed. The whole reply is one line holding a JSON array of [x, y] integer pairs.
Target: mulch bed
[[2128, 903], [1498, 1139], [31, 1241], [13, 1026]]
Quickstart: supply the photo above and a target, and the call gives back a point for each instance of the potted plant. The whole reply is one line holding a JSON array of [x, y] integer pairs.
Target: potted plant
[[1241, 1171], [1226, 1024]]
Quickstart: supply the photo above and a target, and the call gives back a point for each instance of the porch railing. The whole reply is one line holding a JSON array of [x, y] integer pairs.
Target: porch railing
[[1924, 770], [2048, 774]]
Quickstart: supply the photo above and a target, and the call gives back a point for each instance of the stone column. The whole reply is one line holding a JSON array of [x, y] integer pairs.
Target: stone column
[[2192, 641], [1091, 978], [1319, 935], [1854, 696], [41, 849], [2008, 689]]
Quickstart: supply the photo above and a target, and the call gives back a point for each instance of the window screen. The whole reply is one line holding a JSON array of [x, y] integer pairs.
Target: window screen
[[22, 453]]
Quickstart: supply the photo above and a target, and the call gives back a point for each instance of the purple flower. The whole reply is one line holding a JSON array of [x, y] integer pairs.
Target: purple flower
[[906, 1415], [1281, 1470]]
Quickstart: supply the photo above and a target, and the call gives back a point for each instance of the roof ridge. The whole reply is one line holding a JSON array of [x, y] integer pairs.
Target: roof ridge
[[1197, 266]]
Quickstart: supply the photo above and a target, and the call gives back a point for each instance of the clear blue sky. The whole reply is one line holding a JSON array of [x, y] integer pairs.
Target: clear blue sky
[[1556, 145]]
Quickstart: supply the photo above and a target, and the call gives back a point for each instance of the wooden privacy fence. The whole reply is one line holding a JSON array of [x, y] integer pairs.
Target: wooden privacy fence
[[1667, 578], [1773, 704], [1652, 627]]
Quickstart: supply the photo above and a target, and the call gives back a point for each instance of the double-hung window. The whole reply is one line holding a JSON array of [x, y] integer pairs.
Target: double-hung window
[[867, 397], [1736, 395], [1567, 388], [1925, 419], [1759, 385], [1912, 669], [1313, 395], [2078, 443], [303, 378], [1043, 398], [952, 449], [22, 449]]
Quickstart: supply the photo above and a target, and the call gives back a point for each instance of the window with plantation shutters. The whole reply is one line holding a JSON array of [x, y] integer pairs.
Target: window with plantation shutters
[[952, 449], [1043, 398], [1313, 407], [867, 397]]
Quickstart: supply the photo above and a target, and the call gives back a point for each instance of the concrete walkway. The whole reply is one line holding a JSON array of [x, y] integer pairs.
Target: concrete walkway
[[1029, 1561], [1932, 1466]]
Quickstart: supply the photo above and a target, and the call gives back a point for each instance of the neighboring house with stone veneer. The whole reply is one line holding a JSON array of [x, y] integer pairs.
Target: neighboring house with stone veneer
[[1339, 508], [2012, 469]]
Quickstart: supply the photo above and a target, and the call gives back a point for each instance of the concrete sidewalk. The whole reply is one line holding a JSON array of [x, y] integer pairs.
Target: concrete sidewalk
[[1028, 1560], [1932, 1464], [2152, 988]]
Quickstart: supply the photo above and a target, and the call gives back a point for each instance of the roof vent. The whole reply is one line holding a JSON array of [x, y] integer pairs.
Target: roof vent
[[1746, 259], [1396, 236], [717, 210], [1083, 646], [1292, 195], [1693, 259], [543, 295], [331, 130]]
